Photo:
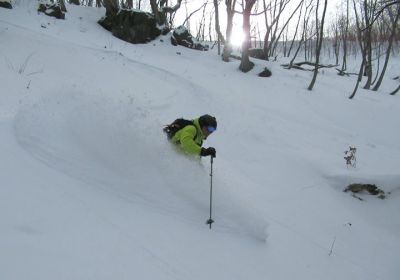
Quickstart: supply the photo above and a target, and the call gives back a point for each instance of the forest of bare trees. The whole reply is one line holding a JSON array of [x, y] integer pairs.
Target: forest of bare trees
[[300, 32]]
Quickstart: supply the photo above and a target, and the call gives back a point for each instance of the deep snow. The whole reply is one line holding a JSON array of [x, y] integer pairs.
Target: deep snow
[[90, 188]]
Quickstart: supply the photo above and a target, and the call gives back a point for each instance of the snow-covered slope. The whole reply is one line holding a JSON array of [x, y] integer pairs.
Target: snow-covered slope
[[90, 188]]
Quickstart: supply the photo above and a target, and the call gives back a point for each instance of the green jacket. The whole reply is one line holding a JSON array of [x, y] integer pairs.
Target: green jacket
[[190, 138]]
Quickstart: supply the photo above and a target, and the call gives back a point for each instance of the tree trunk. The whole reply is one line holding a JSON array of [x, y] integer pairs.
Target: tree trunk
[[296, 53], [320, 38], [267, 32], [345, 38], [160, 19], [230, 10], [62, 5], [389, 48], [217, 29], [363, 53], [129, 4], [360, 74], [368, 45], [276, 10], [378, 55], [297, 28], [245, 64], [276, 39], [111, 6], [161, 12]]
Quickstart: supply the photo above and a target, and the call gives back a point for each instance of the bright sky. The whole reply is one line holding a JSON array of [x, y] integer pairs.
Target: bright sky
[[237, 36]]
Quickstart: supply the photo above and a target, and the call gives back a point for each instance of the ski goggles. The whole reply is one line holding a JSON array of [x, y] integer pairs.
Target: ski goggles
[[211, 129]]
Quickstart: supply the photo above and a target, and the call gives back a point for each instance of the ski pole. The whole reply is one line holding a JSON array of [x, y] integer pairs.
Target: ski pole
[[210, 220]]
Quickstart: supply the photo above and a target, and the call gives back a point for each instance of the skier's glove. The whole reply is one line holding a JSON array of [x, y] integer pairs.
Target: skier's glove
[[208, 152]]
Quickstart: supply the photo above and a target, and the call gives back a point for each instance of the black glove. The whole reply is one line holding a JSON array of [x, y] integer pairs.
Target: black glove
[[208, 152]]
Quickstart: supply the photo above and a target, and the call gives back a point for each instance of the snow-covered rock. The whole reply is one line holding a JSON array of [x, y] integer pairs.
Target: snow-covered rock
[[181, 36], [133, 26], [51, 9]]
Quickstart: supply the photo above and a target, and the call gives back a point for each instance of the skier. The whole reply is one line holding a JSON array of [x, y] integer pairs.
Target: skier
[[189, 135]]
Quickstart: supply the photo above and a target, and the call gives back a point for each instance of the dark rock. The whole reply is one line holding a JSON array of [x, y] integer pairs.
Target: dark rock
[[5, 4], [182, 37], [257, 53], [174, 41], [165, 31], [371, 189], [201, 47], [106, 23], [52, 10], [265, 73], [132, 26]]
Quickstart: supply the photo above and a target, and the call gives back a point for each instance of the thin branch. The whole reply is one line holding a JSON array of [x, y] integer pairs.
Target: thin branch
[[395, 91], [172, 9], [202, 6], [378, 14]]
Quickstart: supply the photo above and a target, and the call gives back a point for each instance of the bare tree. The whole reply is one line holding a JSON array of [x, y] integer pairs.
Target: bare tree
[[230, 12], [210, 30], [310, 32], [62, 5], [306, 19], [385, 4], [344, 30], [191, 14], [369, 10], [202, 23], [161, 10], [320, 37], [285, 42], [245, 64], [275, 38], [336, 40], [297, 28], [112, 7], [363, 53], [272, 14], [394, 18], [220, 37]]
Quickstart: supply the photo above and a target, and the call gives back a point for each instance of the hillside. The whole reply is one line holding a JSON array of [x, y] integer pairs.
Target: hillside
[[91, 189]]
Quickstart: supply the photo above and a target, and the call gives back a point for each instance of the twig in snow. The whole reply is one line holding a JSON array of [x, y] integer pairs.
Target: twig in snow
[[23, 65], [333, 244]]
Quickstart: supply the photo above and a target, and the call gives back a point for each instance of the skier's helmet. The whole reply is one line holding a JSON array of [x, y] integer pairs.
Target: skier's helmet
[[208, 121]]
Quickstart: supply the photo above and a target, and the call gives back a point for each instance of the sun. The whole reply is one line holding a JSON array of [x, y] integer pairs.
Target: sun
[[237, 38]]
